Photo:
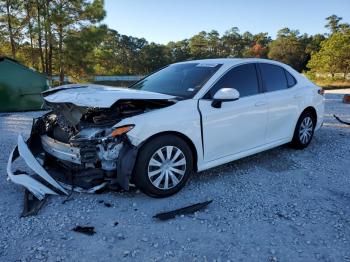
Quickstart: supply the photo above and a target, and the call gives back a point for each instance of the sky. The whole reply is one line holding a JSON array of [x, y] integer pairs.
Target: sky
[[161, 21]]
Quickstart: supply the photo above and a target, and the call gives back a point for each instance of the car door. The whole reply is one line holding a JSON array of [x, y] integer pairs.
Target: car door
[[237, 125], [282, 100]]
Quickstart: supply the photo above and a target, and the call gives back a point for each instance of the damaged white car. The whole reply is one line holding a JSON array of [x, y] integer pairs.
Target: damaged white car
[[186, 117]]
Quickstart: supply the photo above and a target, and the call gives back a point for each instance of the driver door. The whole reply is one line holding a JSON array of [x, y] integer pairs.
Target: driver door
[[238, 125]]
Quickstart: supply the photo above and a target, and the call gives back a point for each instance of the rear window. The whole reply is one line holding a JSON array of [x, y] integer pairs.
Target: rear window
[[274, 77], [290, 79]]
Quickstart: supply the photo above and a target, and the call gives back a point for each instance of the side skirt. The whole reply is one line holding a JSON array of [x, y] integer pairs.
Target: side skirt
[[239, 155]]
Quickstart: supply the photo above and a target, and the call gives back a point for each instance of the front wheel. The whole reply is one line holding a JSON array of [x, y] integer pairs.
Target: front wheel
[[163, 166], [304, 131]]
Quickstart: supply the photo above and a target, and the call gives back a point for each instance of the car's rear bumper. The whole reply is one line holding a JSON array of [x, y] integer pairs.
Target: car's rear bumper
[[319, 105]]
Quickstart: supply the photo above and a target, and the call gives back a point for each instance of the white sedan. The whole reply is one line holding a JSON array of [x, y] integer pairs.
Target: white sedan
[[186, 117]]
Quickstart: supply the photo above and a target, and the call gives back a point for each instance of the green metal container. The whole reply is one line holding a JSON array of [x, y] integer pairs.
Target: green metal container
[[20, 86]]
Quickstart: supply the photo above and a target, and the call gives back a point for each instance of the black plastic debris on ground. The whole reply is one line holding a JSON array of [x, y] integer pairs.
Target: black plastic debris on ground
[[341, 121], [182, 211], [106, 204], [68, 198], [31, 205], [85, 230]]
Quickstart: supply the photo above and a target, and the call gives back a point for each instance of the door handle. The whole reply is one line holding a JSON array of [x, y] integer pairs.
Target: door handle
[[298, 96], [261, 103]]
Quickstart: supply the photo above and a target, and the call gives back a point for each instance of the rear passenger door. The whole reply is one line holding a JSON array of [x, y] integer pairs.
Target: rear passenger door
[[282, 103]]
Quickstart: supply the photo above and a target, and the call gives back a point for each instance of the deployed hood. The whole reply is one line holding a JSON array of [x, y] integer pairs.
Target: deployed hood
[[97, 95]]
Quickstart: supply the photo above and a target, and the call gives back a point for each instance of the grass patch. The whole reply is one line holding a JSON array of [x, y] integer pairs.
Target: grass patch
[[331, 85]]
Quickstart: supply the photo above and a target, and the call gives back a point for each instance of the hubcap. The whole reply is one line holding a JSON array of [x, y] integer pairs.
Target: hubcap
[[305, 130], [167, 167]]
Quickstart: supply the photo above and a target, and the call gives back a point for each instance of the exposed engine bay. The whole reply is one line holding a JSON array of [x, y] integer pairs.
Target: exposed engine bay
[[81, 141], [82, 148], [67, 121]]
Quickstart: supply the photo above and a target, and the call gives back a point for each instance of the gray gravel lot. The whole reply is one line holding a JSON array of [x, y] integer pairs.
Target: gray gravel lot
[[279, 205]]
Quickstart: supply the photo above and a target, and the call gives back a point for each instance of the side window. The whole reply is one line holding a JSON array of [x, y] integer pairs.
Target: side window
[[273, 77], [290, 79], [243, 78]]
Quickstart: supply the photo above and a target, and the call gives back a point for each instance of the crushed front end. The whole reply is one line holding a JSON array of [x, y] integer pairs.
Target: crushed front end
[[80, 148]]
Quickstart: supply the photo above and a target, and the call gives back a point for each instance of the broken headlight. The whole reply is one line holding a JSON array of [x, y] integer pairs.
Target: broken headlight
[[121, 130]]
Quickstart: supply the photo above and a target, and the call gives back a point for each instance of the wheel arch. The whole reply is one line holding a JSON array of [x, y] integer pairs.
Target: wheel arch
[[295, 142], [188, 141], [312, 110]]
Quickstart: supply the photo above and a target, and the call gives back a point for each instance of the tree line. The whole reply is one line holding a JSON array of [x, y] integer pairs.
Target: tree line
[[66, 38]]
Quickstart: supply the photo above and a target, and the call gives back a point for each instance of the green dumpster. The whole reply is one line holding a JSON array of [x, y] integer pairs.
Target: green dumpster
[[20, 86]]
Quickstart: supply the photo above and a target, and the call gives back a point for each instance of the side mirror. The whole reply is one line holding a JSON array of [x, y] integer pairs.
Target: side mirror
[[224, 95]]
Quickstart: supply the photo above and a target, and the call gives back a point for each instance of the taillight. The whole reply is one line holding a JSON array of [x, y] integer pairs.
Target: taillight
[[321, 91]]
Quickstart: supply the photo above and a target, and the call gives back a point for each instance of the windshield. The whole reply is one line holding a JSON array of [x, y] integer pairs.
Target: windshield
[[182, 80]]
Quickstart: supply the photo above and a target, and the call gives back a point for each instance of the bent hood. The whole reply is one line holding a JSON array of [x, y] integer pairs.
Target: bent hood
[[97, 95]]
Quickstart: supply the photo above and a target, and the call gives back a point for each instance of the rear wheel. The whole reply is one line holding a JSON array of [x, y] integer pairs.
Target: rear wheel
[[163, 166], [304, 131]]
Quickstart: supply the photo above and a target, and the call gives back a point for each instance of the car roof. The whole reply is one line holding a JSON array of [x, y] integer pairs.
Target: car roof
[[231, 61]]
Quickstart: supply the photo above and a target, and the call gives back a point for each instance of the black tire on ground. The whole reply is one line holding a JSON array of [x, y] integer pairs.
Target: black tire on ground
[[297, 141], [147, 151]]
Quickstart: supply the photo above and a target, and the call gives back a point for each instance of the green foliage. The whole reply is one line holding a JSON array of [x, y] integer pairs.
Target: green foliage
[[66, 38], [334, 55], [333, 23], [39, 32], [288, 48], [11, 23], [335, 26], [153, 57], [179, 51], [232, 43], [199, 46], [79, 50]]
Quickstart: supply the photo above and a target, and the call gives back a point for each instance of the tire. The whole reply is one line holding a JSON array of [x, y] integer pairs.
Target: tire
[[304, 131], [154, 176]]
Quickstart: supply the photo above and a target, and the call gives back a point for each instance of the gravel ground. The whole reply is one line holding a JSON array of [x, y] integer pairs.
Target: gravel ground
[[279, 205]]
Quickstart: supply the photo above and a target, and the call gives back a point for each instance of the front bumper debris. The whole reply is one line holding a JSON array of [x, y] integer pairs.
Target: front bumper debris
[[86, 164], [38, 189], [46, 184], [60, 150], [31, 205]]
